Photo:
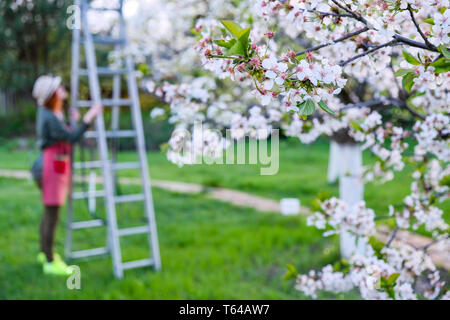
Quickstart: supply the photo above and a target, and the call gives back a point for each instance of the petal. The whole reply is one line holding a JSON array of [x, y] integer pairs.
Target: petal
[[279, 81], [265, 99], [267, 63], [270, 74], [268, 84], [282, 67]]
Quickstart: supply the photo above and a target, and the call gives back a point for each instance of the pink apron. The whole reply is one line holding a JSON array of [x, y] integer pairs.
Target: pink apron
[[56, 173]]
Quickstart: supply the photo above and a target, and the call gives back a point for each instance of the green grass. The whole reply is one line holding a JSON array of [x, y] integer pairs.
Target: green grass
[[302, 174], [209, 250]]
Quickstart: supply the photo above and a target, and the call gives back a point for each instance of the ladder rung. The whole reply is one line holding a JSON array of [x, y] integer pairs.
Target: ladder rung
[[103, 9], [87, 224], [98, 164], [137, 264], [87, 165], [108, 40], [134, 230], [112, 134], [129, 198], [89, 253], [105, 102], [104, 71], [126, 165], [84, 195]]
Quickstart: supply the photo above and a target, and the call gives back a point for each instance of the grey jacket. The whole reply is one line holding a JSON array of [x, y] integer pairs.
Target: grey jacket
[[50, 130]]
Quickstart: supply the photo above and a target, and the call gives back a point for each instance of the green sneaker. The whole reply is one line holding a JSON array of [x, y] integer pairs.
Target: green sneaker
[[57, 269], [42, 259]]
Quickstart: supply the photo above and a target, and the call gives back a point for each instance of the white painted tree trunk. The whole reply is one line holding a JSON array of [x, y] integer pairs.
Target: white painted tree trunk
[[333, 162], [351, 190]]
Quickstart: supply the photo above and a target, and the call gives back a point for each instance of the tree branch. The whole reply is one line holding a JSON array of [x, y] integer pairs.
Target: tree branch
[[387, 44], [427, 246], [386, 101], [366, 104], [429, 45], [353, 14], [320, 46], [392, 237]]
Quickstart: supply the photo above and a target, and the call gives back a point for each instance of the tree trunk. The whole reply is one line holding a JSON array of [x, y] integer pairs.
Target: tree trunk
[[346, 163]]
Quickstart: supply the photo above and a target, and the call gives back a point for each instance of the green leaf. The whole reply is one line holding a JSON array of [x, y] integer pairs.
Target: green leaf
[[225, 44], [377, 246], [307, 107], [429, 21], [402, 72], [301, 57], [444, 51], [291, 272], [391, 293], [407, 81], [243, 39], [236, 50], [144, 69], [441, 65], [233, 27], [355, 125], [392, 278], [445, 181], [410, 58], [325, 107]]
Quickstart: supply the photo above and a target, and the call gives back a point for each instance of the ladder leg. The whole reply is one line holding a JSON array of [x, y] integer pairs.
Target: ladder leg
[[137, 121], [103, 148], [74, 83]]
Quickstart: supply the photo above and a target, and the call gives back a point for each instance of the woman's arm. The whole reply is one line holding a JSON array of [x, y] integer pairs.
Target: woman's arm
[[59, 132]]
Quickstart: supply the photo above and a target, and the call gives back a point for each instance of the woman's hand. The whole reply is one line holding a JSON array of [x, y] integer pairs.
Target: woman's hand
[[92, 113], [74, 115]]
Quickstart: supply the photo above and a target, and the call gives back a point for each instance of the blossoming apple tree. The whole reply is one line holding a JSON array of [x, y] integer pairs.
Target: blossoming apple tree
[[372, 72]]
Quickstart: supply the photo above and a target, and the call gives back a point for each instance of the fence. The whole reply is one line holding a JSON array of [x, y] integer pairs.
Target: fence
[[7, 101]]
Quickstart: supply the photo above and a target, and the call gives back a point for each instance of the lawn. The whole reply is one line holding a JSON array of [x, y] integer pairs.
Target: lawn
[[209, 250], [302, 174]]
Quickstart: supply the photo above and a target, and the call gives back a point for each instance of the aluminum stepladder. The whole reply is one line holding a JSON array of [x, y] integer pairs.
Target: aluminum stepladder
[[107, 166]]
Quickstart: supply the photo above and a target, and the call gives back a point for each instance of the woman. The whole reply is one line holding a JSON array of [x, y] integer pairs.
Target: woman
[[52, 170]]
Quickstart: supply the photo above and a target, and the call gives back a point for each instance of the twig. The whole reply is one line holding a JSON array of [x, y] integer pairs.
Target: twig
[[320, 46], [353, 14], [387, 44], [396, 36], [427, 246], [364, 104], [431, 46], [411, 110], [392, 237], [334, 14], [413, 43]]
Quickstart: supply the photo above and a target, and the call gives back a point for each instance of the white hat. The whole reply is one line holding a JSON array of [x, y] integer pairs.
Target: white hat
[[44, 87]]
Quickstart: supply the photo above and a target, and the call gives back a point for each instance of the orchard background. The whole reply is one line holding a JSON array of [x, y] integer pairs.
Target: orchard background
[[360, 92]]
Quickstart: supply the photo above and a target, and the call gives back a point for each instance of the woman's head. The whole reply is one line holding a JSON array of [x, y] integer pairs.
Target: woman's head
[[48, 92], [56, 101]]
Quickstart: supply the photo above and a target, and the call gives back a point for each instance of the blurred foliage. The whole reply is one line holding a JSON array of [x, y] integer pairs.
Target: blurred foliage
[[20, 123], [34, 40]]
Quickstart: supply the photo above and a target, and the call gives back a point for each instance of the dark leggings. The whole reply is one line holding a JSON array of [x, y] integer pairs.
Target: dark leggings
[[48, 228]]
